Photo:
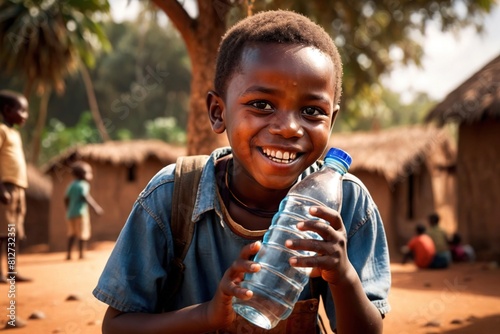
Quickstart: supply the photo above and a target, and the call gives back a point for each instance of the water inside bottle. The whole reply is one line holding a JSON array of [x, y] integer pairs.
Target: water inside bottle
[[271, 301], [277, 286]]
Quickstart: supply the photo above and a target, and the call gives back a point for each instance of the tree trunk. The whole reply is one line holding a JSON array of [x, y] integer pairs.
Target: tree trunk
[[94, 108], [40, 125], [211, 27], [201, 36]]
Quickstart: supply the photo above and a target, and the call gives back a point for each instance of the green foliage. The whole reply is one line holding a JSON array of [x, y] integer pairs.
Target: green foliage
[[145, 77], [148, 76], [44, 40], [57, 137], [134, 86], [378, 108], [166, 129]]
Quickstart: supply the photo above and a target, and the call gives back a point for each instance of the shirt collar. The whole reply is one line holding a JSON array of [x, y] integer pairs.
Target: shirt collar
[[206, 196]]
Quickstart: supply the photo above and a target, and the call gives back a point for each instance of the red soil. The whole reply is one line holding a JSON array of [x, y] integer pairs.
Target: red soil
[[462, 299]]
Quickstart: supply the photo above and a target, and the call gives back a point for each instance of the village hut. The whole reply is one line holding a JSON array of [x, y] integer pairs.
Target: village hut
[[121, 171], [36, 223], [475, 107], [409, 173]]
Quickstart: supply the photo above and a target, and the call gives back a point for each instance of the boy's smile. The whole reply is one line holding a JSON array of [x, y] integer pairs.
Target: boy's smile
[[278, 111]]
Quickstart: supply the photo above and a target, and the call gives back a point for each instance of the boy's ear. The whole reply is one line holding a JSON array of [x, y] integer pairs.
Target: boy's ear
[[215, 107], [334, 115]]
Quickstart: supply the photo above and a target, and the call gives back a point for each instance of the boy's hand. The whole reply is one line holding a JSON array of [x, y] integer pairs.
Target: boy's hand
[[330, 262], [220, 310], [99, 211]]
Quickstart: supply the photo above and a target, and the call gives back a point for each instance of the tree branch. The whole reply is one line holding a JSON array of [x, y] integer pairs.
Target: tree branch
[[184, 23]]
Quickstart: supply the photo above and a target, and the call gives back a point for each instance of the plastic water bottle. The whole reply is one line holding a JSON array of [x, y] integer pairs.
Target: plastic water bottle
[[277, 286]]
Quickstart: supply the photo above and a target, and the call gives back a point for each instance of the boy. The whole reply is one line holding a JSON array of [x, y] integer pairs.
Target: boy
[[13, 178], [440, 239], [77, 200], [420, 248], [277, 89]]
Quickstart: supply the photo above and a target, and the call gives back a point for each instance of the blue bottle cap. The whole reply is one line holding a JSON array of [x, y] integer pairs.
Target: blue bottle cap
[[339, 155]]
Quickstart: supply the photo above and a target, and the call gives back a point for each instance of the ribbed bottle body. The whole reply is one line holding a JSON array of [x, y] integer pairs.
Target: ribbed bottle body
[[277, 286]]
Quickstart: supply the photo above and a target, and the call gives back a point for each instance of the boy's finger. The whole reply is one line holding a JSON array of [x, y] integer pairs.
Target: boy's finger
[[243, 265], [237, 291], [250, 250], [330, 215], [325, 247], [315, 262], [312, 245], [319, 226]]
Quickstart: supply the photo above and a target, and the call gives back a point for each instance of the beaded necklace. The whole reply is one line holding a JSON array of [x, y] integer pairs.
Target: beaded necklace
[[254, 211]]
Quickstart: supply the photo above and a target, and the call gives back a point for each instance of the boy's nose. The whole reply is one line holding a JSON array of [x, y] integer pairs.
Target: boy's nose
[[286, 124]]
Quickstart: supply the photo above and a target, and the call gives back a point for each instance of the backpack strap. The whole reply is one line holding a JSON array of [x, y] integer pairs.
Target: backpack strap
[[187, 178]]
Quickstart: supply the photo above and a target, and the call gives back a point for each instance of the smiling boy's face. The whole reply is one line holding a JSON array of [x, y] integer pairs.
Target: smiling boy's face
[[278, 111]]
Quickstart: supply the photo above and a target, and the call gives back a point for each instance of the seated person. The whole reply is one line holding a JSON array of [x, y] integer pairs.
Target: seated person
[[459, 251], [440, 239], [422, 250]]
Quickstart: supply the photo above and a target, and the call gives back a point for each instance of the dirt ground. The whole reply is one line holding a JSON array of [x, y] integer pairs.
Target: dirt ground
[[462, 299]]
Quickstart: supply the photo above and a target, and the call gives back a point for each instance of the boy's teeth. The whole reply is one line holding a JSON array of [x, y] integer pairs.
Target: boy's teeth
[[279, 156]]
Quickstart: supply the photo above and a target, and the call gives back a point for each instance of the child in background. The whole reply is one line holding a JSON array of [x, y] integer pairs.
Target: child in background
[[420, 248], [77, 201], [276, 94], [459, 251], [13, 179], [440, 239]]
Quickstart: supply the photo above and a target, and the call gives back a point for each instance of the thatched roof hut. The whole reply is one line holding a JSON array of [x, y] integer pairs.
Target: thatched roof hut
[[408, 171], [395, 153], [475, 100], [121, 170], [475, 107], [118, 153]]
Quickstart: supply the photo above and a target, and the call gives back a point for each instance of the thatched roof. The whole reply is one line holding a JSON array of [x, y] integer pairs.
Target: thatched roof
[[476, 99], [118, 153], [39, 185], [394, 153]]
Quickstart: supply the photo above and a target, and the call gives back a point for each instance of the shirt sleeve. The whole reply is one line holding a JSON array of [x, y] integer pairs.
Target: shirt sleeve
[[135, 273], [84, 188]]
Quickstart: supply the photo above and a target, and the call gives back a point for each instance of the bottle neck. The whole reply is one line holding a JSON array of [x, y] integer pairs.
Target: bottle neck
[[336, 165]]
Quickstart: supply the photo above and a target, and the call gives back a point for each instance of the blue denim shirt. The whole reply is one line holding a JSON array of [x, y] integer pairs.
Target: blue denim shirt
[[136, 270]]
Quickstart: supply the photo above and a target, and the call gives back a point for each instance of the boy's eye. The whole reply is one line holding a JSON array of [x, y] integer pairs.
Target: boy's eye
[[263, 105], [313, 111]]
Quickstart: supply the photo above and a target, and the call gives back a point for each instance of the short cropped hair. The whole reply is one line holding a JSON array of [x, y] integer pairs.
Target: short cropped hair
[[433, 219], [79, 168], [420, 228], [9, 98], [281, 26]]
